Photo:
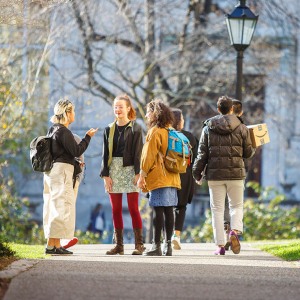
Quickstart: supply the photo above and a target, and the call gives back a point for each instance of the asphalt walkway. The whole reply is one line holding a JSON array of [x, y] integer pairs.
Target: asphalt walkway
[[191, 273]]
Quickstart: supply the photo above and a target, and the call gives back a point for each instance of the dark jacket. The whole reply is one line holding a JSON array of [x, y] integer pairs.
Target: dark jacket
[[133, 147], [185, 195], [64, 146], [224, 143]]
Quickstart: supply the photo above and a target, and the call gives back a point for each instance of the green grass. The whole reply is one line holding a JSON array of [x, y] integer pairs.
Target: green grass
[[288, 250], [28, 251]]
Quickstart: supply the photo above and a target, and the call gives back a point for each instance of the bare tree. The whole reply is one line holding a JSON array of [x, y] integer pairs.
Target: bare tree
[[161, 49]]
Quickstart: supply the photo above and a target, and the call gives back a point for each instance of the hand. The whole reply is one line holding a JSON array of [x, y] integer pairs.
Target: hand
[[108, 183], [135, 179], [92, 132], [141, 183], [200, 181]]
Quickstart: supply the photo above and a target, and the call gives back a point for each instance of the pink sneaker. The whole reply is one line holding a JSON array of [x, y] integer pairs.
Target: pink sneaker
[[220, 251], [71, 243]]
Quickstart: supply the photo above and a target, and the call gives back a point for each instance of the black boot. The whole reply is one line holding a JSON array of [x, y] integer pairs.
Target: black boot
[[167, 249], [154, 251]]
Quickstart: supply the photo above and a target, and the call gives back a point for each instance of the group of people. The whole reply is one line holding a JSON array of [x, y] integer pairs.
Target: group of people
[[130, 166]]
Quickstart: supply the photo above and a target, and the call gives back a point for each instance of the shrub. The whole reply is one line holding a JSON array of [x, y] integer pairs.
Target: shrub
[[14, 216], [5, 250]]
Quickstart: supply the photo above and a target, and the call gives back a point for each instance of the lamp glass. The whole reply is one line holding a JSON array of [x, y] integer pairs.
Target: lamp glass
[[249, 27], [240, 30]]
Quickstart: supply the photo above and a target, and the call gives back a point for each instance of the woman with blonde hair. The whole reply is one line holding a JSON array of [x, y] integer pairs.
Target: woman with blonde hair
[[120, 169], [154, 178], [59, 195]]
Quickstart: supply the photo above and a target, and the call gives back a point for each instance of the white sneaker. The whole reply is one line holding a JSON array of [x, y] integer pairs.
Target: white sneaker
[[176, 242]]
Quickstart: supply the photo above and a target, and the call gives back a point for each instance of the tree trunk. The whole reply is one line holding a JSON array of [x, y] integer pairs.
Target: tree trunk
[[149, 49]]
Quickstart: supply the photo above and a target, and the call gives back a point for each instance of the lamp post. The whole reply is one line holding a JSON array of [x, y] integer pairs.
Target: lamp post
[[241, 24]]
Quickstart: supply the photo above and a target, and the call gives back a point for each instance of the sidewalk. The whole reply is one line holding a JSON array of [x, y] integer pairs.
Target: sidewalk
[[191, 273]]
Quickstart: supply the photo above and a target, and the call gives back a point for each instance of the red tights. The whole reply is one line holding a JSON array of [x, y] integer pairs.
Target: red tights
[[133, 206]]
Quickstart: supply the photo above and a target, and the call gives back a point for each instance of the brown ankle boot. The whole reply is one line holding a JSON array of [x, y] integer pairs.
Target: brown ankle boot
[[139, 246], [119, 248]]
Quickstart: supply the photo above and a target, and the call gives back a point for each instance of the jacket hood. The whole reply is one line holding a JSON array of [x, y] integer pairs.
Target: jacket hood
[[223, 124]]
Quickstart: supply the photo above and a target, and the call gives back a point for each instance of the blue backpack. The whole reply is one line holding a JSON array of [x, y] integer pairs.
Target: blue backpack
[[178, 154]]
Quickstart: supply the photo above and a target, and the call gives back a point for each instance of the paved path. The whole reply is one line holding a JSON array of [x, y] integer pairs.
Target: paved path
[[191, 273]]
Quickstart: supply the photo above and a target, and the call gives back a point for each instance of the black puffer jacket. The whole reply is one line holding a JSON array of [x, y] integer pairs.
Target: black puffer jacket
[[224, 143]]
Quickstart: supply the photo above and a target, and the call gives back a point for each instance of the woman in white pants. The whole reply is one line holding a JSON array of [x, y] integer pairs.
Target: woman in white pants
[[59, 195]]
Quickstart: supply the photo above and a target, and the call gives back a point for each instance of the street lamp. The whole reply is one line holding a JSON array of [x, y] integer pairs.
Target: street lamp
[[241, 24]]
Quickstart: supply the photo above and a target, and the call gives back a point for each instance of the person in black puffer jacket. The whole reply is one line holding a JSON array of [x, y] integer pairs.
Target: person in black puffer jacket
[[224, 144]]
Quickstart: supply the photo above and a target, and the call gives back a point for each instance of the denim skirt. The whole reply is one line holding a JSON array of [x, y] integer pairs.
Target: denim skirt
[[163, 197]]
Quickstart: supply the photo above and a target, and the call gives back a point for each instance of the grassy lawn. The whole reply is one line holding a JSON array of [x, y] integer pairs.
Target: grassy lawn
[[22, 251], [28, 251], [286, 249]]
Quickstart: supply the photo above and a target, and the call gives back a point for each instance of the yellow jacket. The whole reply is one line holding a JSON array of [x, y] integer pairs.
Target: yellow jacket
[[152, 165]]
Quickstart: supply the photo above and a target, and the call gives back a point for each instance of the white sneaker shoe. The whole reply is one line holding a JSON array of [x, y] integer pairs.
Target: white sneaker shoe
[[176, 242]]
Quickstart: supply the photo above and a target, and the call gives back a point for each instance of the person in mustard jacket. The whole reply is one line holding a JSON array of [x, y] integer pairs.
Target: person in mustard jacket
[[161, 184]]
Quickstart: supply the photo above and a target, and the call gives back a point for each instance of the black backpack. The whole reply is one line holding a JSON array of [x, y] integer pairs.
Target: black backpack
[[40, 153]]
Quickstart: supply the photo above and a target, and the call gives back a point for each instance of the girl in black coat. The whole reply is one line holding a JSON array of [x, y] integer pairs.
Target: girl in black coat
[[185, 195]]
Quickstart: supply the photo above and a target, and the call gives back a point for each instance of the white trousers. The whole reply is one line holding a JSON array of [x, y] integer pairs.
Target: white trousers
[[59, 202], [235, 192]]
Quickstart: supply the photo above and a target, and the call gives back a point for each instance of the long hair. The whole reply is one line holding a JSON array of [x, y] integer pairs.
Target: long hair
[[61, 108], [177, 113], [161, 115], [132, 113]]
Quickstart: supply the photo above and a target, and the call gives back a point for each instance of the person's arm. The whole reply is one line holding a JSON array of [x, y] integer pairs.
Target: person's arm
[[202, 156], [104, 172], [149, 155], [69, 143], [150, 151], [195, 146], [248, 150], [137, 147]]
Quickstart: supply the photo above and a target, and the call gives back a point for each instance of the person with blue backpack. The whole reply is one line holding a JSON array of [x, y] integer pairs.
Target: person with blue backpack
[[156, 179]]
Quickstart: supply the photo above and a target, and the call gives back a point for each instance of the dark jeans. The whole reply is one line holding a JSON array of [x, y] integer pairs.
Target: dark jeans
[[179, 217]]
